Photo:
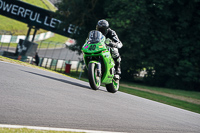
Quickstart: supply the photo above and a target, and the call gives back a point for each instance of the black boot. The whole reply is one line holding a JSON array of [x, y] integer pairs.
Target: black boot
[[117, 65]]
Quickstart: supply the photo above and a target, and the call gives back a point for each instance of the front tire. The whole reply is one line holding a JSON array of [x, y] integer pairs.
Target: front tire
[[94, 80]]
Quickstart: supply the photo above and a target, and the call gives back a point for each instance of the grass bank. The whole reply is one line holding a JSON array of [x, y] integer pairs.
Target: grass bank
[[25, 130], [176, 102]]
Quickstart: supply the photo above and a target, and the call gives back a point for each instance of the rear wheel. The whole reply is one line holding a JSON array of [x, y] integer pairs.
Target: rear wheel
[[113, 87], [94, 79]]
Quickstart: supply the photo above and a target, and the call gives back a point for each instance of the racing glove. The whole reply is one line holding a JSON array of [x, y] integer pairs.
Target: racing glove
[[110, 43]]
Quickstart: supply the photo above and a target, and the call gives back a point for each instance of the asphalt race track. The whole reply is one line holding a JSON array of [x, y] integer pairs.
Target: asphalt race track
[[36, 97]]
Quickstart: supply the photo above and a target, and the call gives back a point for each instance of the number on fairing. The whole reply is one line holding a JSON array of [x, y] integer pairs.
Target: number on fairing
[[92, 47]]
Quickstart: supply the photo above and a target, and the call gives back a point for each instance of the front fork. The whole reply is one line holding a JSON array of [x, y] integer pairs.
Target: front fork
[[99, 69], [98, 66]]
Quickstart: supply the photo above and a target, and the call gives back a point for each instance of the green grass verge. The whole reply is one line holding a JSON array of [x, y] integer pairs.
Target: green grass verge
[[162, 99], [185, 93], [25, 130]]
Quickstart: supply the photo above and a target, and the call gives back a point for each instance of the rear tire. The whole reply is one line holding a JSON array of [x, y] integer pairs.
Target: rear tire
[[94, 80], [113, 87]]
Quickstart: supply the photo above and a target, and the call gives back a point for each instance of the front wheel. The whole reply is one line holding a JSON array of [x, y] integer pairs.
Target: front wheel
[[94, 79], [113, 87]]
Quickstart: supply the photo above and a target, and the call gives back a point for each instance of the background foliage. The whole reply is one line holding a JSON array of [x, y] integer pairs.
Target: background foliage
[[160, 36]]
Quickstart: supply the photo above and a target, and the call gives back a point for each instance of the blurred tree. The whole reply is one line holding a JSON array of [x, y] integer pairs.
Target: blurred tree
[[161, 36]]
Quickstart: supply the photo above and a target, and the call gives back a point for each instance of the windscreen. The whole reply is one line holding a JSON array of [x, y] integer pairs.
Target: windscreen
[[95, 36]]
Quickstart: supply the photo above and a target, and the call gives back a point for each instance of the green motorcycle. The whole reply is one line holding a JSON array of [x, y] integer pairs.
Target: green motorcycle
[[99, 62]]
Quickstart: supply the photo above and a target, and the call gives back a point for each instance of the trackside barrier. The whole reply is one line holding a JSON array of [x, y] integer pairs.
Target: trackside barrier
[[67, 68], [53, 55], [59, 65], [15, 39]]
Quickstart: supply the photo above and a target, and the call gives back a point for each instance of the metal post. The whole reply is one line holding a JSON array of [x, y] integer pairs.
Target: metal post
[[51, 63], [28, 33], [56, 65], [80, 73], [1, 42], [46, 63], [2, 38], [34, 34], [38, 53], [9, 43], [53, 54], [62, 66], [63, 61], [46, 52], [41, 61], [80, 63]]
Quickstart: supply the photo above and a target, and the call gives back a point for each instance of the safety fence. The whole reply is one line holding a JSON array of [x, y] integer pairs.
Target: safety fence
[[52, 55], [15, 39]]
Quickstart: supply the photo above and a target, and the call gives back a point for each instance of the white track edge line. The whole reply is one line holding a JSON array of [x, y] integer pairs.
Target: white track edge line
[[53, 129]]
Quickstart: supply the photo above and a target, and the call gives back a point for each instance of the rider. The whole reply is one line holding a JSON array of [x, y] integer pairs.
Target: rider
[[103, 27]]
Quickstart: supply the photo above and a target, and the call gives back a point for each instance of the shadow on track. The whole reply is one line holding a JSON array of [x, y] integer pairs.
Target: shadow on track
[[61, 80]]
